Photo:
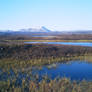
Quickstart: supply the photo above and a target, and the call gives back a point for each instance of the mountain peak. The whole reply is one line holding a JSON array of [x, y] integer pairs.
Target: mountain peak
[[45, 29], [42, 29]]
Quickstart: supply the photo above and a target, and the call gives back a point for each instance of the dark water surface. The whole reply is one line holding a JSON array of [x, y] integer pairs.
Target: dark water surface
[[89, 44], [75, 70]]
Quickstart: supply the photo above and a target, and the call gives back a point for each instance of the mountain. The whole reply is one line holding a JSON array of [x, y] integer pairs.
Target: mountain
[[45, 29], [42, 29]]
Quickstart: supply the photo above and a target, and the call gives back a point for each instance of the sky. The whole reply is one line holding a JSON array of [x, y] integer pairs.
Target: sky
[[58, 15]]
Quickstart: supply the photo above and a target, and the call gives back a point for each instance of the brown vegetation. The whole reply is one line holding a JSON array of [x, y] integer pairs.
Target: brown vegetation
[[26, 52]]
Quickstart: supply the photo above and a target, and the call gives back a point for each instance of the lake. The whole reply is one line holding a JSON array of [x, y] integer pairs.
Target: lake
[[75, 70], [89, 44]]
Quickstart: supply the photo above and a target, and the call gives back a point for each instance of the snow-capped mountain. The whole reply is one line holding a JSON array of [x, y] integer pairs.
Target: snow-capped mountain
[[42, 29]]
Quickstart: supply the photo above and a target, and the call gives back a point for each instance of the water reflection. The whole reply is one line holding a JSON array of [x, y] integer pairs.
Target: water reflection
[[74, 70], [89, 44]]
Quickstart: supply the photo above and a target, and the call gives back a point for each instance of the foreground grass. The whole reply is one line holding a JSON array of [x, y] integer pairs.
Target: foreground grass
[[46, 85], [62, 85], [9, 63], [31, 83], [20, 57]]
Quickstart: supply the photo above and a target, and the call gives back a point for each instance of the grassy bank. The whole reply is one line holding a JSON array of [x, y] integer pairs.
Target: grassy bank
[[30, 55], [42, 40], [31, 51], [21, 56], [8, 63], [46, 85]]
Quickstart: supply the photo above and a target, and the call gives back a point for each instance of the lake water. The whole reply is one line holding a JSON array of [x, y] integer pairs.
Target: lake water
[[89, 44], [75, 70]]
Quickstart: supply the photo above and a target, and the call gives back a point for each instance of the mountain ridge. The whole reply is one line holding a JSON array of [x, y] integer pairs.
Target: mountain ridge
[[46, 30]]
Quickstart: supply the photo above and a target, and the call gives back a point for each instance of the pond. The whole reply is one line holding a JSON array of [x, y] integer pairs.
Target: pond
[[75, 70], [89, 44]]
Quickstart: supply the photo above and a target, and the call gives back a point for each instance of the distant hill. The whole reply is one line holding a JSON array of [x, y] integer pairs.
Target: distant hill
[[42, 29], [77, 32], [35, 34]]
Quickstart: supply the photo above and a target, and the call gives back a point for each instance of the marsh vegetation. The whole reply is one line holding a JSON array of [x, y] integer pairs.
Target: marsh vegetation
[[18, 59]]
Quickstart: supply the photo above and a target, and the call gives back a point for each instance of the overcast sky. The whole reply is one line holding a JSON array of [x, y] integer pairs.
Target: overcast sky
[[53, 14]]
